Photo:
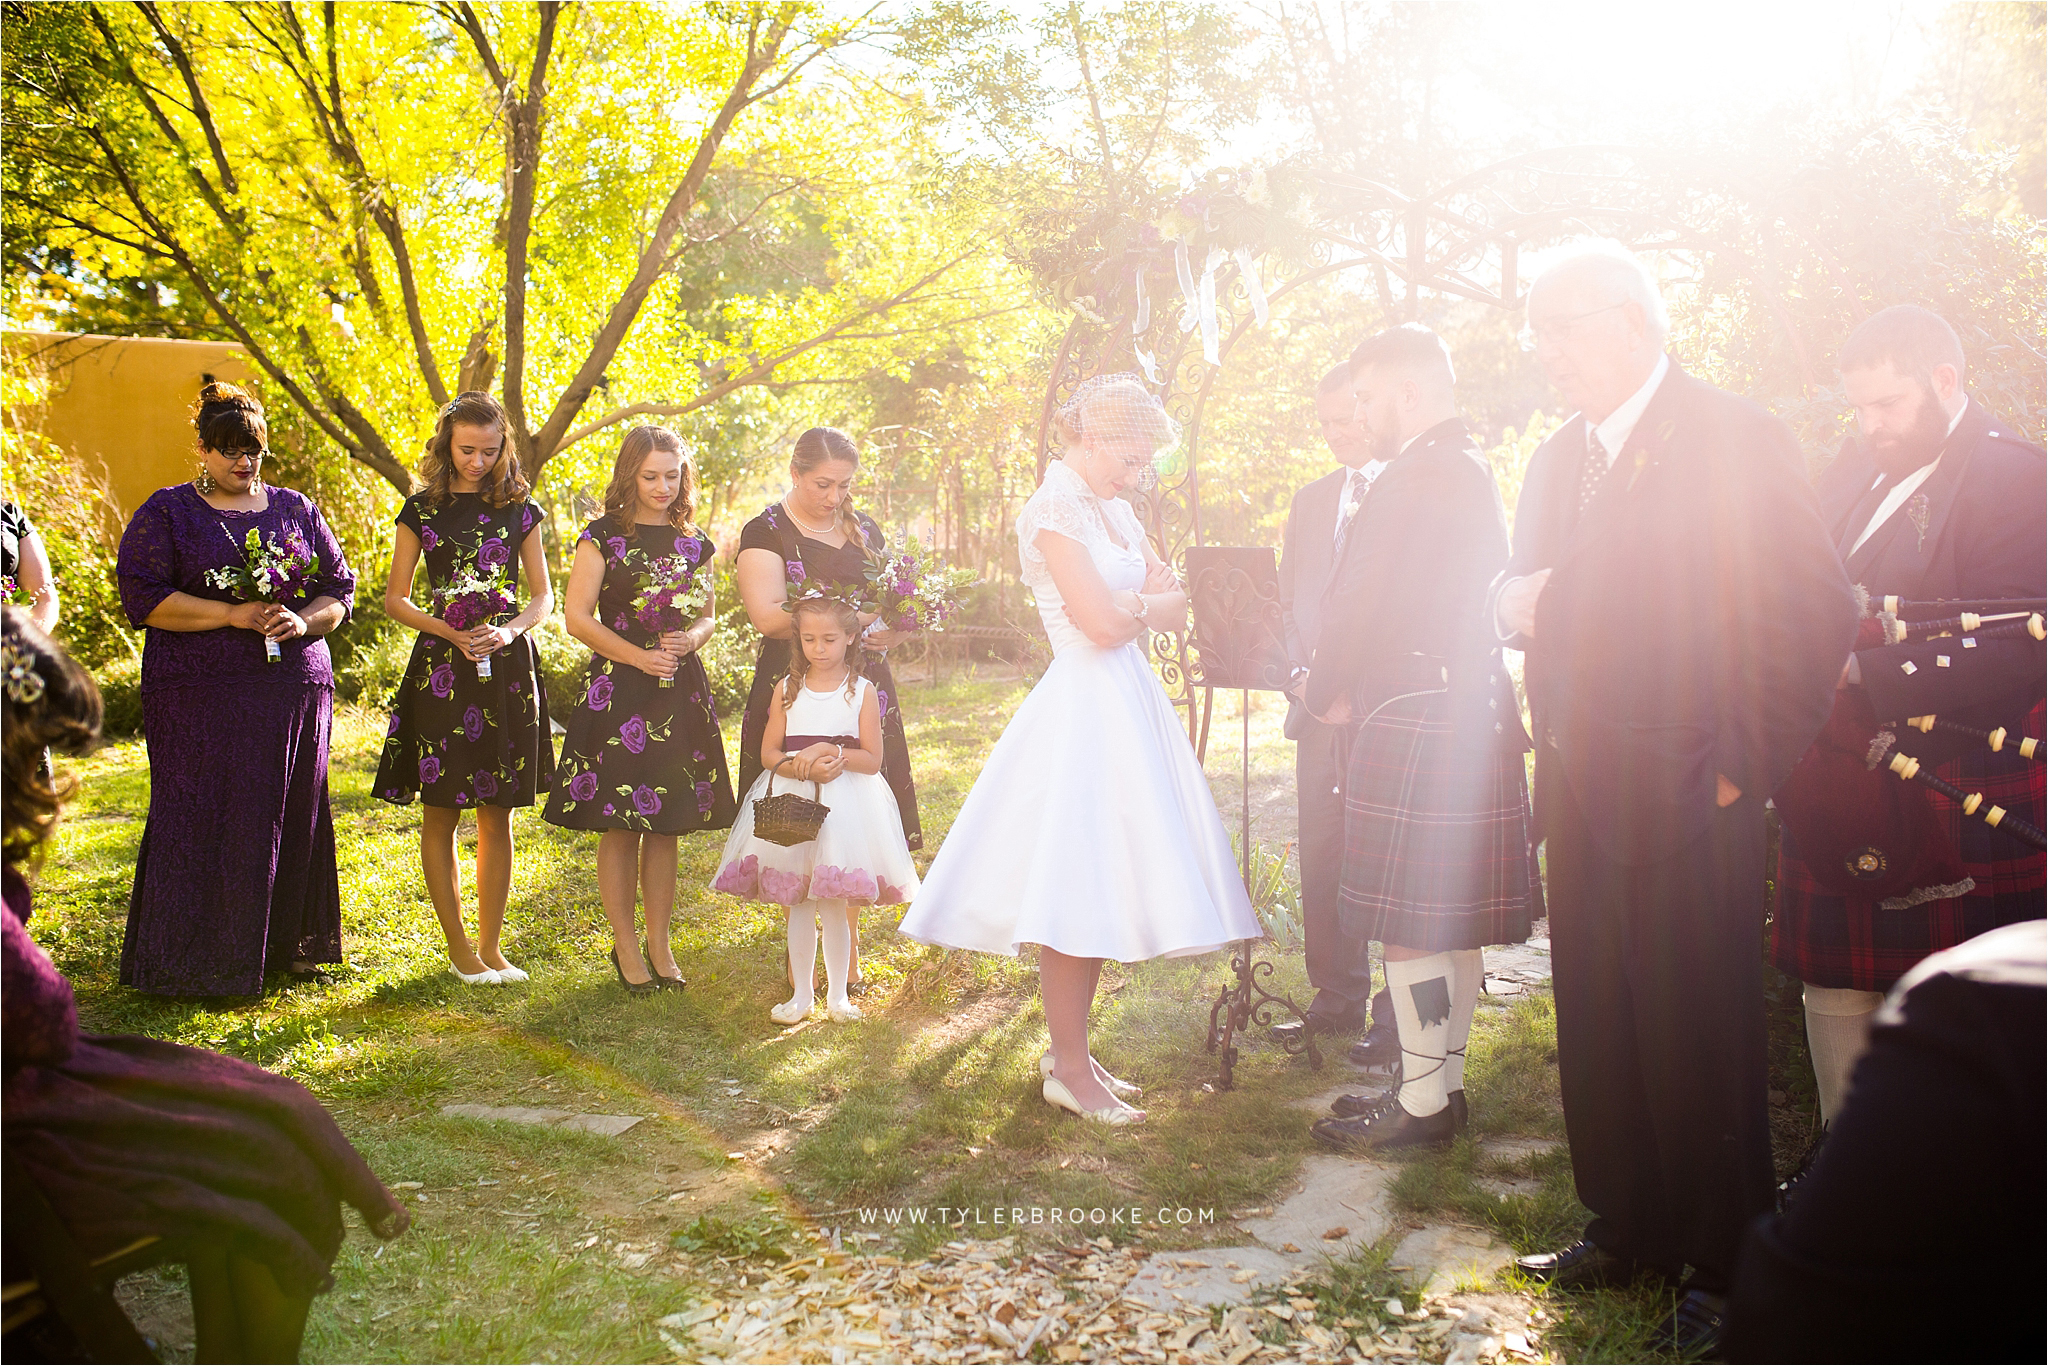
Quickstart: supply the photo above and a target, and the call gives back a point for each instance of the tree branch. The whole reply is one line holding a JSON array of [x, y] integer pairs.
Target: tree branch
[[761, 370], [762, 52], [464, 17], [201, 110], [163, 121], [522, 159]]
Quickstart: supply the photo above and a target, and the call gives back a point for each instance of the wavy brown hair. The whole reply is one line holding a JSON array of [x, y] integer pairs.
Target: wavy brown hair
[[848, 619], [471, 408], [50, 702], [622, 495]]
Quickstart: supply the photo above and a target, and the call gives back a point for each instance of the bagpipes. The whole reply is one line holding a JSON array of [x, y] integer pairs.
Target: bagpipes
[[1866, 836]]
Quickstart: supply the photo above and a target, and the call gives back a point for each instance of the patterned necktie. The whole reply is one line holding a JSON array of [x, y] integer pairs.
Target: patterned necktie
[[1354, 498], [1593, 470]]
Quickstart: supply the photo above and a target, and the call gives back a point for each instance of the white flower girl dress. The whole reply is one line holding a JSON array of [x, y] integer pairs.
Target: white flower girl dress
[[1091, 829], [859, 854]]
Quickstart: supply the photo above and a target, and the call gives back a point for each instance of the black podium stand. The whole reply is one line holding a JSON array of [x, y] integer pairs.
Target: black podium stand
[[1241, 638]]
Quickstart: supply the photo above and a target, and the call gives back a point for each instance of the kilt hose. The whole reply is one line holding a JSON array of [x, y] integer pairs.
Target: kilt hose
[[1835, 941], [1436, 834]]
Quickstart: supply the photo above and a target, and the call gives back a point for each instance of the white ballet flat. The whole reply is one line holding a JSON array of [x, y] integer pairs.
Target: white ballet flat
[[789, 1012], [1117, 1085], [489, 977], [510, 974], [845, 1014], [1056, 1093]]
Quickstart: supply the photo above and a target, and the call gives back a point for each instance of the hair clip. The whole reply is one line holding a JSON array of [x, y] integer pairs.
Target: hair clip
[[447, 408], [18, 670]]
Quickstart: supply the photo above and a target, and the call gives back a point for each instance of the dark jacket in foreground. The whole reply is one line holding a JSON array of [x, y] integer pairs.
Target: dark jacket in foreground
[[1412, 588], [1930, 1183], [1695, 623]]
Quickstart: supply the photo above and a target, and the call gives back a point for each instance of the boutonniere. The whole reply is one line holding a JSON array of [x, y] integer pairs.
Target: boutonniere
[[1648, 452], [1916, 513]]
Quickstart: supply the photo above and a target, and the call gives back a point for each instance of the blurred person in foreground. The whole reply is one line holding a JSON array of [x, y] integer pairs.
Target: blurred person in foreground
[[1935, 497], [1318, 523], [1437, 859], [1685, 619], [1930, 1189], [234, 1172]]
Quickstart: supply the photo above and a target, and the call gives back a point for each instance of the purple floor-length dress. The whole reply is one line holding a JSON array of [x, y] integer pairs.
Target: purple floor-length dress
[[236, 874]]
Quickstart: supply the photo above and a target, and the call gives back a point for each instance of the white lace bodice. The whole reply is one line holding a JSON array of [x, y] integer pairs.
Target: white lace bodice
[[1065, 504]]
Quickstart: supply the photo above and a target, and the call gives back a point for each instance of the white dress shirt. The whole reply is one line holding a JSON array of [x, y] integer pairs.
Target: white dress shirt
[[1904, 489], [1347, 506]]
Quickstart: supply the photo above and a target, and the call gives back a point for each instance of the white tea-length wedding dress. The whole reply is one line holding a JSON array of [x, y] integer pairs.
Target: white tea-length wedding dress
[[1091, 829]]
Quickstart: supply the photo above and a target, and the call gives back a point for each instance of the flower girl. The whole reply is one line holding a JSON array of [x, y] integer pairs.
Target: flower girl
[[824, 727]]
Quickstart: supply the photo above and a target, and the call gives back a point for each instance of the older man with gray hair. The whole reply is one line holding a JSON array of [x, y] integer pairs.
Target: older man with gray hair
[[1685, 619]]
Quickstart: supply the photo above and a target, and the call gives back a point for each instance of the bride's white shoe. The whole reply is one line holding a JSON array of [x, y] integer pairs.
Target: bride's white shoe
[[1056, 1093], [1117, 1085]]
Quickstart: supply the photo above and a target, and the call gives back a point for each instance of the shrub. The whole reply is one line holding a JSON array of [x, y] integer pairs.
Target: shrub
[[120, 683]]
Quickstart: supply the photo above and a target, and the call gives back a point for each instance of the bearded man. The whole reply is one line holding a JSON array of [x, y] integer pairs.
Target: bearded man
[[1938, 497]]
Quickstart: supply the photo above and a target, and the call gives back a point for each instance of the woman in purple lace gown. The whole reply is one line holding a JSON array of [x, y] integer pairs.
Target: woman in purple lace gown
[[236, 874], [142, 1146]]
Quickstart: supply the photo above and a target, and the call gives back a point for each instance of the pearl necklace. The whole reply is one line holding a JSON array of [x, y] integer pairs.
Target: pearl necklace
[[827, 530]]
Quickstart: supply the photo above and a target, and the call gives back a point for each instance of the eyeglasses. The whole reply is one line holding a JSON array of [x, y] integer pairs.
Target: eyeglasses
[[257, 453], [1560, 331]]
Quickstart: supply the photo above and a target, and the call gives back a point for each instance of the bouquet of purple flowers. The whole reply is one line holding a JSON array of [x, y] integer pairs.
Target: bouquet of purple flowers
[[473, 597], [670, 598], [276, 570], [910, 592]]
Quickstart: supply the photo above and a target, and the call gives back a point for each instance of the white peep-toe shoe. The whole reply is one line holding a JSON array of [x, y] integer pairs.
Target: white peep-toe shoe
[[1056, 1093], [1117, 1085], [489, 977]]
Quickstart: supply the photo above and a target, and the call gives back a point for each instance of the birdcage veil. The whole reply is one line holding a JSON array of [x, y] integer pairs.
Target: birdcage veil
[[1118, 409]]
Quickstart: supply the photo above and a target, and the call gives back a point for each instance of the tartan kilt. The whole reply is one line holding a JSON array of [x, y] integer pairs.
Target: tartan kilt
[[1436, 834], [1834, 941]]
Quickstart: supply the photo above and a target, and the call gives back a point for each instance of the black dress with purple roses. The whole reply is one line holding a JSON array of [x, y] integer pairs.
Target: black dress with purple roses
[[638, 756], [456, 739]]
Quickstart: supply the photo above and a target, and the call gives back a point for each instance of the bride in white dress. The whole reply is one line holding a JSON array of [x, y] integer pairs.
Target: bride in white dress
[[1091, 831]]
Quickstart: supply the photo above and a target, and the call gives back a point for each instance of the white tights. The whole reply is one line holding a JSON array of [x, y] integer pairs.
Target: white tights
[[803, 949]]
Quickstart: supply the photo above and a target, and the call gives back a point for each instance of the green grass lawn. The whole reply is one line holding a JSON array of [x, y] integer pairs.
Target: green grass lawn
[[527, 1242]]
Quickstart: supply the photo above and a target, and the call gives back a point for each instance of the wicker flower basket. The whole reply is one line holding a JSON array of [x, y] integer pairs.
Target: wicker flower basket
[[788, 818]]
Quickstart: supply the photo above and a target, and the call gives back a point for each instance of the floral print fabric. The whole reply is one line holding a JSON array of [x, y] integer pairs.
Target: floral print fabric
[[455, 739], [638, 756]]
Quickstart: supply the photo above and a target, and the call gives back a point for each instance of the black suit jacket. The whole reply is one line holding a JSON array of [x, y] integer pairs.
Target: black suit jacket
[[1430, 536], [1981, 533], [1305, 565], [1695, 621]]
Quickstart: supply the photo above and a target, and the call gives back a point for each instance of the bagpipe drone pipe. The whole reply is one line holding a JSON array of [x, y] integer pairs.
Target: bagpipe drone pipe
[[1857, 806]]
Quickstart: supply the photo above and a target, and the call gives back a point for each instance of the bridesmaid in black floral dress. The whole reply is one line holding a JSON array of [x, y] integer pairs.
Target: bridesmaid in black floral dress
[[469, 725], [642, 760]]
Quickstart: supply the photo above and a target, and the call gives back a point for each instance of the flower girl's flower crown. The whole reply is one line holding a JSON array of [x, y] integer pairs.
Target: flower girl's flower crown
[[808, 593]]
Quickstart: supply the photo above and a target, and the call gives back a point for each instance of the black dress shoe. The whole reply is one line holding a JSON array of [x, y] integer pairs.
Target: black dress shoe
[[1359, 1103], [647, 988], [1693, 1327], [1585, 1265], [1788, 1189], [1384, 1128], [1379, 1052]]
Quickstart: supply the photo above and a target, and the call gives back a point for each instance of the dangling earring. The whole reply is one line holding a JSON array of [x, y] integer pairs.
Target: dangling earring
[[204, 480]]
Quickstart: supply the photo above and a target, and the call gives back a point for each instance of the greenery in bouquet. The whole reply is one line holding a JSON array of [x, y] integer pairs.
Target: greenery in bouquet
[[670, 596], [272, 570], [912, 591]]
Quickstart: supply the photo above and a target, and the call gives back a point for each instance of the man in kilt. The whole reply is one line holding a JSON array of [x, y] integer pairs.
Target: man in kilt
[[1939, 498], [1684, 619], [1437, 859]]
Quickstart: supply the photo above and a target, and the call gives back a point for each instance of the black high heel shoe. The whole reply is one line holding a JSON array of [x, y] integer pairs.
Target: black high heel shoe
[[632, 988], [662, 981]]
